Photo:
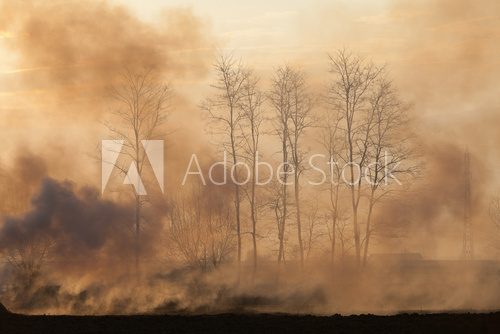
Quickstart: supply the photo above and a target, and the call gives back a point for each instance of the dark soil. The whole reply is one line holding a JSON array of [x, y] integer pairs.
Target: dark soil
[[3, 310], [251, 323]]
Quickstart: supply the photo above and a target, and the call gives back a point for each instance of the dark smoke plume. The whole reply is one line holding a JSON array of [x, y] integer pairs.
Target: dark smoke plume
[[78, 221]]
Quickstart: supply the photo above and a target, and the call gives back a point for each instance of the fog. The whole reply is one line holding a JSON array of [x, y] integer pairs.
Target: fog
[[69, 247]]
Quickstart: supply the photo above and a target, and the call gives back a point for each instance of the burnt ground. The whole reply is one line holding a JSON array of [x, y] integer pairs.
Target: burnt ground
[[253, 323]]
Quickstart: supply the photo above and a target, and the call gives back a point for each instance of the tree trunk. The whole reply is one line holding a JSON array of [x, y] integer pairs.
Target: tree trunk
[[368, 232], [299, 225], [137, 207], [137, 235], [334, 207], [254, 219], [353, 190], [236, 187], [334, 238], [238, 223], [281, 253], [254, 222], [355, 218]]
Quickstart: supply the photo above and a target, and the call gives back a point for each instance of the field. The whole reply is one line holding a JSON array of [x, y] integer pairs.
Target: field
[[253, 323]]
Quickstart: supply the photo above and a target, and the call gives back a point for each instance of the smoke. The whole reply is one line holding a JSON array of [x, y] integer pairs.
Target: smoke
[[80, 48], [429, 217], [444, 64], [78, 222], [442, 57], [68, 56]]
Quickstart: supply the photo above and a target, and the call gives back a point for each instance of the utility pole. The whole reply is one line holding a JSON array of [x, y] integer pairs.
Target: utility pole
[[467, 247]]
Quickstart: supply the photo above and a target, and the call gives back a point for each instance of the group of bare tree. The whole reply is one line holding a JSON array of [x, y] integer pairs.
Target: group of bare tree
[[363, 125], [141, 109], [200, 231], [368, 133], [238, 111], [358, 121]]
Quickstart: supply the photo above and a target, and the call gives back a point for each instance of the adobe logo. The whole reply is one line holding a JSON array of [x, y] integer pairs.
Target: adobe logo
[[111, 150]]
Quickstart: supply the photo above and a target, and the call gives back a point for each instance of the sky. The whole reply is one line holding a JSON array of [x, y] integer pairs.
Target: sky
[[265, 33], [434, 50], [253, 27], [442, 56]]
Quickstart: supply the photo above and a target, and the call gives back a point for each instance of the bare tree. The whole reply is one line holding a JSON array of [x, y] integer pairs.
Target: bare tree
[[390, 154], [334, 145], [27, 258], [300, 119], [343, 234], [201, 230], [253, 117], [373, 125], [224, 109], [277, 206], [185, 236], [313, 233], [281, 98], [336, 223], [142, 105], [348, 96]]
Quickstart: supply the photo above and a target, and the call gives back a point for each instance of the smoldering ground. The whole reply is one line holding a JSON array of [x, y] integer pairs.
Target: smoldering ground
[[89, 268], [88, 271]]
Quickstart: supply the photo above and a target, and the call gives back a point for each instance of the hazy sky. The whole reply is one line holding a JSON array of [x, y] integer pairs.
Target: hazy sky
[[262, 29], [260, 26], [253, 24], [265, 33], [442, 55]]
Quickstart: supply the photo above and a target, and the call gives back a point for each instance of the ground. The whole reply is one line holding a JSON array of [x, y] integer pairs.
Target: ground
[[252, 323]]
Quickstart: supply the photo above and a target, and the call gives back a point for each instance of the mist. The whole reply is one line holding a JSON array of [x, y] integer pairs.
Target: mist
[[81, 71]]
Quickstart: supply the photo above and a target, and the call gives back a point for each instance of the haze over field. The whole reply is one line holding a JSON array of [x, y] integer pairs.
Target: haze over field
[[350, 80]]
